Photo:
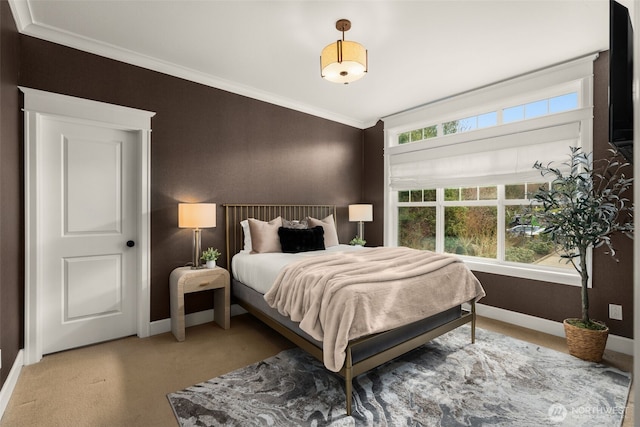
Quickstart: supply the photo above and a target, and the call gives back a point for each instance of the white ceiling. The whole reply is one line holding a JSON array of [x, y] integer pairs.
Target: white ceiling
[[419, 51]]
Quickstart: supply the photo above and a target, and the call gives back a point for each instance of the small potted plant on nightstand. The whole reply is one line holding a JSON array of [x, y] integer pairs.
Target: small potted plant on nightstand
[[584, 205], [357, 241], [210, 256]]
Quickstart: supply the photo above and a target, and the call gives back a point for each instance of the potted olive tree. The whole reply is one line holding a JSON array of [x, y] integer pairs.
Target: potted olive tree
[[584, 205]]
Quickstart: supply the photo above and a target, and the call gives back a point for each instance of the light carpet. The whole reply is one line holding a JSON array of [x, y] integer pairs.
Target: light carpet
[[498, 381]]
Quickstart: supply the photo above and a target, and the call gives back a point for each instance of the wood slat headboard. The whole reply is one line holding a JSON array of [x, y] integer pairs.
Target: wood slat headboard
[[234, 213]]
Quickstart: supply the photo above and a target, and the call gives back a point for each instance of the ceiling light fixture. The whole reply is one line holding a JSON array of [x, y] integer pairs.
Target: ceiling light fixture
[[343, 61]]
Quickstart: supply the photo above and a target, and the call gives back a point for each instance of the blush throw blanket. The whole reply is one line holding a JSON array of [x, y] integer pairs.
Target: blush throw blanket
[[343, 296]]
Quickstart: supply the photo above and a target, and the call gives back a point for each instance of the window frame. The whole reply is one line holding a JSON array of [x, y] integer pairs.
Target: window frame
[[498, 265], [576, 75]]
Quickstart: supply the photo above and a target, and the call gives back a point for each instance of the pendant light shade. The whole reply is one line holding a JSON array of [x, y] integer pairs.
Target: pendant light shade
[[343, 61]]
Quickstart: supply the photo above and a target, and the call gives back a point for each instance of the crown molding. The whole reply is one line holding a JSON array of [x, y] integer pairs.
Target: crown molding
[[28, 26], [21, 14]]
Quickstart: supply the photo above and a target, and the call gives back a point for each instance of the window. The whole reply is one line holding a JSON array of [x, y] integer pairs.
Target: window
[[542, 107], [472, 226], [530, 110], [471, 230], [417, 227], [459, 183], [525, 241], [418, 134]]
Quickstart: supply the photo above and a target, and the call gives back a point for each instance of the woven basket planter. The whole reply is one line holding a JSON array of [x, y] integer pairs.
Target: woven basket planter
[[585, 344]]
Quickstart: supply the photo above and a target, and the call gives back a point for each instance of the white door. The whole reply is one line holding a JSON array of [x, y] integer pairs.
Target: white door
[[88, 218]]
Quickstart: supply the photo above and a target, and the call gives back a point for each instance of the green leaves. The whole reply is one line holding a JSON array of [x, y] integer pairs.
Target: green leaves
[[586, 202], [210, 255], [583, 207], [357, 241]]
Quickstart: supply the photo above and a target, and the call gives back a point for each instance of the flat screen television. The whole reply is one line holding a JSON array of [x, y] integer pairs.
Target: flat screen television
[[621, 79]]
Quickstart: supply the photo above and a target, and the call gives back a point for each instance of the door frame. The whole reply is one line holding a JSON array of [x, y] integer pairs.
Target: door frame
[[39, 104]]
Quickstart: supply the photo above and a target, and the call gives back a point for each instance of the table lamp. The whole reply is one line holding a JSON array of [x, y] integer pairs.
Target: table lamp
[[196, 216], [361, 213]]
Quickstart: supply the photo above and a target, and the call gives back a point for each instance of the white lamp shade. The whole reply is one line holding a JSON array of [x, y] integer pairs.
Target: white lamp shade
[[196, 215], [343, 62], [361, 213]]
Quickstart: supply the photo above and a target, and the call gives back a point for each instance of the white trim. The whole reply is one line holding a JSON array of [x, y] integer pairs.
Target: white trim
[[10, 384], [21, 13], [27, 25], [192, 319], [562, 120], [515, 90], [614, 342], [38, 104], [59, 105], [144, 244], [524, 271]]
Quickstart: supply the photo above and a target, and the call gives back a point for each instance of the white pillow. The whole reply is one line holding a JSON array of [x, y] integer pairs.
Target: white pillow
[[247, 235]]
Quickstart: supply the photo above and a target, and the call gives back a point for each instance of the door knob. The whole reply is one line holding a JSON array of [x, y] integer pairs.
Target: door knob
[[131, 243]]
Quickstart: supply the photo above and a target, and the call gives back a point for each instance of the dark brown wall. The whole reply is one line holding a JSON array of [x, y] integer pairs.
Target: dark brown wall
[[11, 196], [612, 281], [208, 145], [373, 182]]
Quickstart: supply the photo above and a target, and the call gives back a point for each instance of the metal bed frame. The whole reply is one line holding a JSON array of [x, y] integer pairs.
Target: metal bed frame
[[235, 213]]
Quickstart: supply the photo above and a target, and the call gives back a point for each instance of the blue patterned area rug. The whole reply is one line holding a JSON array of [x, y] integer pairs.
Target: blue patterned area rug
[[498, 381]]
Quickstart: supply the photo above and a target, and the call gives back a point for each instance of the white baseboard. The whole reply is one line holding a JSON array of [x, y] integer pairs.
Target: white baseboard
[[614, 342], [10, 383], [191, 319]]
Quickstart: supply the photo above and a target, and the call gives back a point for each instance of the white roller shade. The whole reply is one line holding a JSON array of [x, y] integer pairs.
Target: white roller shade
[[505, 159]]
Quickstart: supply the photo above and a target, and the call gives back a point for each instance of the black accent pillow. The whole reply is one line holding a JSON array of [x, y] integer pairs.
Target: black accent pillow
[[295, 240]]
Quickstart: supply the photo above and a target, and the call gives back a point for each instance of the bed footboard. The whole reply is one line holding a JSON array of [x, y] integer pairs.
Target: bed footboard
[[352, 370]]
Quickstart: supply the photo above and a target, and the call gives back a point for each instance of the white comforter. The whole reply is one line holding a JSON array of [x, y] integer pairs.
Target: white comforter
[[259, 271]]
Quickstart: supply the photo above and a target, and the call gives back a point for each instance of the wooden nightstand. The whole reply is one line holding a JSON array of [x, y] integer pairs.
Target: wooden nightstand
[[184, 280]]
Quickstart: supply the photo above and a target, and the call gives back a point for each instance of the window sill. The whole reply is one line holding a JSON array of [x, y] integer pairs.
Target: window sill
[[552, 275]]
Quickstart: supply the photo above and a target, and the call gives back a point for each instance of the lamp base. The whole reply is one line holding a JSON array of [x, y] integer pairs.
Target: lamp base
[[196, 250]]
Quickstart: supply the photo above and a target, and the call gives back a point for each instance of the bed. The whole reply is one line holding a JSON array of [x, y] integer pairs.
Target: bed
[[359, 351]]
